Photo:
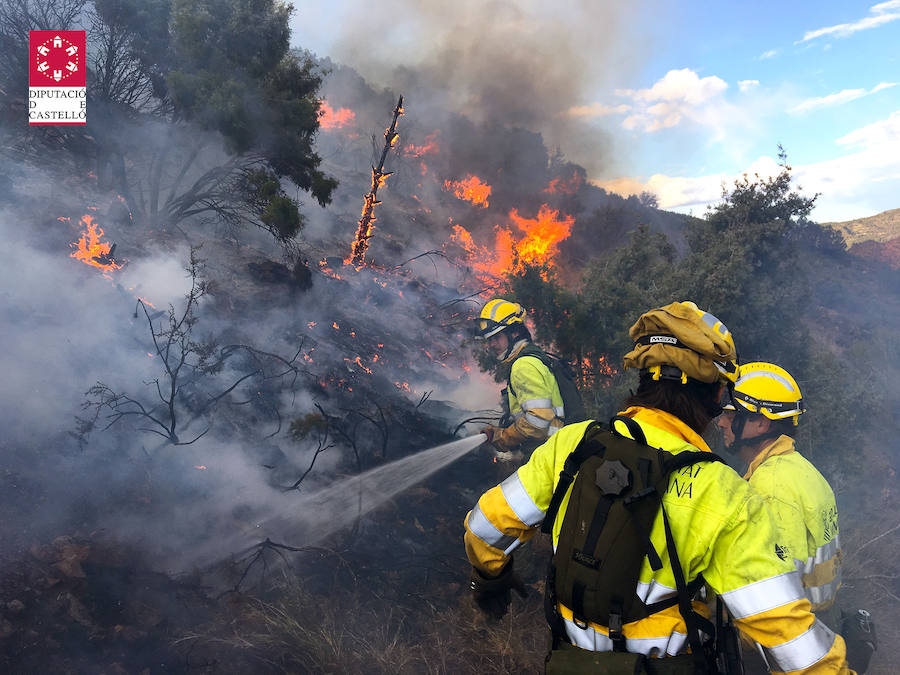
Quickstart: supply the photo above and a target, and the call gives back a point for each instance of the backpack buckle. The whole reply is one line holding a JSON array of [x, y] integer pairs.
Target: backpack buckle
[[615, 632]]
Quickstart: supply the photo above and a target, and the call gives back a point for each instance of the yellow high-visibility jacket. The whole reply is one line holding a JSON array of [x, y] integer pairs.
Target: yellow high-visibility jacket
[[534, 401], [721, 528], [806, 520]]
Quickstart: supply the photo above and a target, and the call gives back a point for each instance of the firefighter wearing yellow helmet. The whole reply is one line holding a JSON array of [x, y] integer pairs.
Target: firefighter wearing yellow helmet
[[532, 402], [633, 539], [759, 426]]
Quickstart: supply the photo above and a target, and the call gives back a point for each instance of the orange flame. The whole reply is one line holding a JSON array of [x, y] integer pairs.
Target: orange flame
[[565, 186], [542, 234], [90, 250], [509, 254], [358, 362], [329, 118], [430, 147], [471, 189], [594, 370], [327, 271]]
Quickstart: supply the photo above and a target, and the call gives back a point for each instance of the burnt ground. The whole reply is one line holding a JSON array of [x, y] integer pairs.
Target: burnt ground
[[387, 596]]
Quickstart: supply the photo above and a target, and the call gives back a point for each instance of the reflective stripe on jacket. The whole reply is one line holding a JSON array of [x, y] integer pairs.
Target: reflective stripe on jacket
[[721, 527], [806, 520], [535, 403]]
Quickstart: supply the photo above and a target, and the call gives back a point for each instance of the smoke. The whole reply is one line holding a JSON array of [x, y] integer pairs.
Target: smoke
[[516, 63], [67, 326]]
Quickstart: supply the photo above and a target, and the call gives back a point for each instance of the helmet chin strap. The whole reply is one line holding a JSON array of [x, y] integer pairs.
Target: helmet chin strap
[[512, 348], [737, 428]]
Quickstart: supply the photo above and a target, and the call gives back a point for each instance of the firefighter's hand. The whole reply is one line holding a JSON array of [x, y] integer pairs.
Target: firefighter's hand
[[491, 594], [492, 433]]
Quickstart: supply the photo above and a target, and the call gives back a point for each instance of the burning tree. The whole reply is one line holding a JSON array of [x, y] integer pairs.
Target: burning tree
[[379, 176]]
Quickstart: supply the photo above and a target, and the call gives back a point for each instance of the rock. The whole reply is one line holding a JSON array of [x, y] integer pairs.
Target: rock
[[78, 612], [70, 558], [270, 272], [15, 606], [42, 553]]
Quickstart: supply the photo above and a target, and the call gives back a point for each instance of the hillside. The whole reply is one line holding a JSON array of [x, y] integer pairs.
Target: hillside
[[876, 237], [881, 227]]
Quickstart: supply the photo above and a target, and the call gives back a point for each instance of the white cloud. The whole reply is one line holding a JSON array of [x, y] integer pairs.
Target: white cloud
[[884, 133], [768, 54], [596, 110], [879, 14], [864, 182], [841, 97], [747, 85], [680, 94], [679, 85]]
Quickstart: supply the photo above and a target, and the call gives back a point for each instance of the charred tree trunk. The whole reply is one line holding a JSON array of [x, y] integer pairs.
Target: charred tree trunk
[[379, 176]]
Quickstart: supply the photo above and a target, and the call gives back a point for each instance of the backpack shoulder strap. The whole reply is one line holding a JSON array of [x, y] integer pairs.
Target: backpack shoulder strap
[[589, 446], [633, 428], [528, 350]]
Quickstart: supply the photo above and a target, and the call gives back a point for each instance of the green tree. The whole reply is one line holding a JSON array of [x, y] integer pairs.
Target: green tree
[[198, 108], [742, 265]]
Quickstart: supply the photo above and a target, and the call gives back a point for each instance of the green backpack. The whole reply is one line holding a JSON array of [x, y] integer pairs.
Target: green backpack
[[573, 404], [617, 492]]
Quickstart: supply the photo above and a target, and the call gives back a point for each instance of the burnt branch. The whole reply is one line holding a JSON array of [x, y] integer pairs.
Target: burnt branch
[[191, 369], [381, 424]]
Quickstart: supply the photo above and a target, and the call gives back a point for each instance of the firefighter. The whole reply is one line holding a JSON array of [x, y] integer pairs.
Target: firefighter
[[532, 403], [759, 424], [710, 523]]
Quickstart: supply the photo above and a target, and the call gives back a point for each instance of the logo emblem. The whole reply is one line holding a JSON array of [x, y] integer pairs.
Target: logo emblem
[[57, 76], [57, 59]]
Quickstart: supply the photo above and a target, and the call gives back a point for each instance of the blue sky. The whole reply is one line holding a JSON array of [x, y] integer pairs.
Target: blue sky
[[691, 94]]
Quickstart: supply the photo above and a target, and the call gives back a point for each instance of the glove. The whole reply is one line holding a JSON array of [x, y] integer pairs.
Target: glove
[[492, 433], [491, 594], [858, 631]]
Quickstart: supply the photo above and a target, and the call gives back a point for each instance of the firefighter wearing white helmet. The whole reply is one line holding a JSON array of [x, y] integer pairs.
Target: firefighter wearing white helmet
[[532, 402], [624, 575], [758, 424]]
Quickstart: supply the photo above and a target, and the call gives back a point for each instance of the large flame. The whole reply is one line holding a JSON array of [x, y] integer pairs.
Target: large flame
[[90, 250], [542, 234], [536, 244], [329, 118], [471, 189]]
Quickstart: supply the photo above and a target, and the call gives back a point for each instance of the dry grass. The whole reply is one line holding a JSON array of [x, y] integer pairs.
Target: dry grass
[[354, 631]]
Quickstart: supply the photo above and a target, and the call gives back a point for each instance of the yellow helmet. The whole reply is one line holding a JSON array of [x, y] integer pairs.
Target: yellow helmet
[[769, 390], [679, 341], [497, 315]]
